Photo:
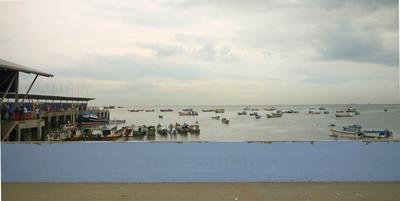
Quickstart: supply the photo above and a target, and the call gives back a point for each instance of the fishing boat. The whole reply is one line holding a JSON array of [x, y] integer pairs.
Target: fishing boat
[[116, 121], [254, 109], [219, 110], [160, 116], [225, 121], [356, 131], [275, 115], [258, 116], [114, 135], [352, 131], [182, 129], [151, 130], [385, 110], [188, 113], [90, 119], [253, 113], [344, 115], [291, 111], [339, 111], [134, 110], [209, 110], [314, 112], [322, 108], [128, 131], [194, 129], [166, 110], [382, 133], [152, 110], [139, 131], [326, 112], [216, 117], [187, 110], [246, 108], [351, 109], [270, 109], [242, 113], [161, 130]]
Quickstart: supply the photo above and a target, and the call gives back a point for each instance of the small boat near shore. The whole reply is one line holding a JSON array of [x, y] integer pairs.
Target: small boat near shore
[[356, 131], [152, 110]]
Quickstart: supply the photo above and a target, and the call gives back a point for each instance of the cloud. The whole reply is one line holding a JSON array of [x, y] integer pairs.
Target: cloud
[[210, 52]]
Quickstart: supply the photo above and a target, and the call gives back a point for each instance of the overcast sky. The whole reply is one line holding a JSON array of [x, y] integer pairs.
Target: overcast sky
[[208, 52]]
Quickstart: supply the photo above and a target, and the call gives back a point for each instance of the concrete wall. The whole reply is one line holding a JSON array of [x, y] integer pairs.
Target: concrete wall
[[200, 161]]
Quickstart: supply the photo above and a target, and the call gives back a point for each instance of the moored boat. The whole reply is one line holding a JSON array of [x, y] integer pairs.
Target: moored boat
[[208, 110], [242, 113], [166, 110], [225, 121], [90, 119], [215, 117], [270, 109], [344, 115], [253, 113], [348, 133], [258, 116], [314, 112], [356, 131], [152, 110], [275, 115], [188, 113], [219, 110]]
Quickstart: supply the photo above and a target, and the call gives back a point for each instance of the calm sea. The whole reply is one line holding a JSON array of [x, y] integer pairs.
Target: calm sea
[[296, 127]]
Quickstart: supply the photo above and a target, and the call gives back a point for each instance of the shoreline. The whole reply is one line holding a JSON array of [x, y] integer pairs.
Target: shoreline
[[203, 191]]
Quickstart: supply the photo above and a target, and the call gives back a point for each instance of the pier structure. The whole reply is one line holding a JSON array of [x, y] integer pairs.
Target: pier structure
[[27, 117]]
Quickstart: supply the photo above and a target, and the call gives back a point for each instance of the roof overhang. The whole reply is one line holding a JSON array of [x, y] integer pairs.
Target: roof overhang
[[47, 97], [16, 67]]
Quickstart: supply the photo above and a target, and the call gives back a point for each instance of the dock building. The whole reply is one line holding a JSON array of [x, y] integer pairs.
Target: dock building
[[28, 117]]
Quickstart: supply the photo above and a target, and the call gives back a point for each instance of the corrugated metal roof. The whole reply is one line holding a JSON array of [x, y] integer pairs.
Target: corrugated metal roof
[[12, 66], [47, 97]]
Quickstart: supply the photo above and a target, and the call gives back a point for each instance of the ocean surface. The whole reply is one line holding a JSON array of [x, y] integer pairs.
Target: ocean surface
[[290, 127]]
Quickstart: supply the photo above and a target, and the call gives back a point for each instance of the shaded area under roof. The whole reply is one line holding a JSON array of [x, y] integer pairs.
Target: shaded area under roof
[[47, 97], [12, 66]]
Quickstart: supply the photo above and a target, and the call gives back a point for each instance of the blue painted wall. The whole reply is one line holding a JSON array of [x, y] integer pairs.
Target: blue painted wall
[[200, 161]]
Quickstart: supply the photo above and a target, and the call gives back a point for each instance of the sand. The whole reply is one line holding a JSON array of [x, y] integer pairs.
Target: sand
[[203, 191]]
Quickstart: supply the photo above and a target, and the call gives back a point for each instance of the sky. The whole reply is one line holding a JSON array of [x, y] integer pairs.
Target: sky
[[207, 52]]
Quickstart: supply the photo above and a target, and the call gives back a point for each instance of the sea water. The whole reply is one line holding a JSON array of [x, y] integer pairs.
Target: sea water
[[290, 127]]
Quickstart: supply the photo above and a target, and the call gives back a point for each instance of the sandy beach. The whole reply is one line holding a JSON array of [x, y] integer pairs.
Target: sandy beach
[[203, 191]]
